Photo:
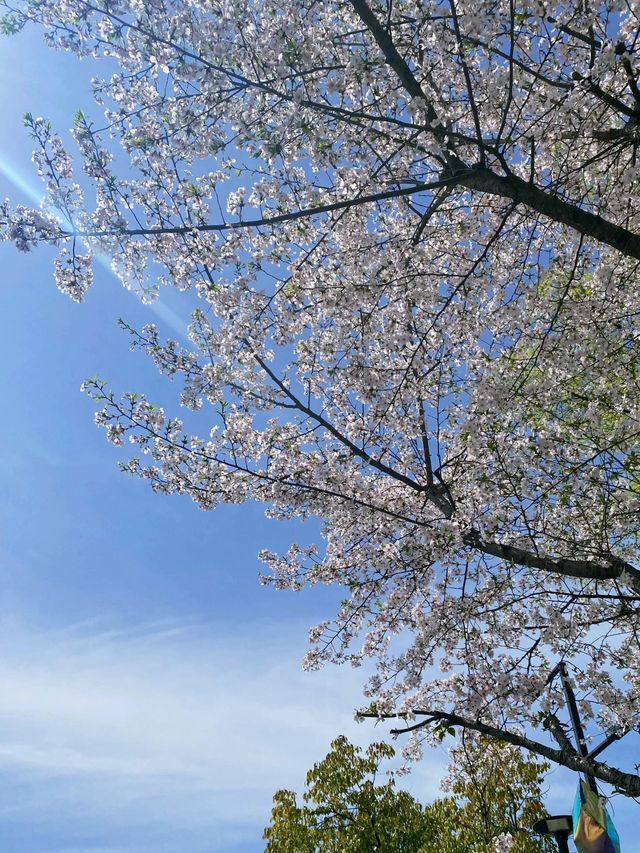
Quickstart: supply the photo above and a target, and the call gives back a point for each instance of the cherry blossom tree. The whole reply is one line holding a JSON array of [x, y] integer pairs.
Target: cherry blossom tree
[[415, 233]]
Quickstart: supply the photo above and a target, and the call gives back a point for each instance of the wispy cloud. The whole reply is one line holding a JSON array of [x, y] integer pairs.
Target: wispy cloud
[[164, 727], [169, 737]]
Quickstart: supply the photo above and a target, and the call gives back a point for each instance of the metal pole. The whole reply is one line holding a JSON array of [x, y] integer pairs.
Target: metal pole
[[563, 844], [578, 731], [605, 743]]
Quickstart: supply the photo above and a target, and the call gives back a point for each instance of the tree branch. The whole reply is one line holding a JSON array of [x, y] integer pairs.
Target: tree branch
[[556, 565], [627, 782], [291, 216], [429, 489], [485, 180], [404, 72]]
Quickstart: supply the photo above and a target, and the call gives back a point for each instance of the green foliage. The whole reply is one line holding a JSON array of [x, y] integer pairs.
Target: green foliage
[[347, 810], [590, 412], [499, 791]]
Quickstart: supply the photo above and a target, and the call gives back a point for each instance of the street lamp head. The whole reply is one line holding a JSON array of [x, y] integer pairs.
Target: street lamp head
[[554, 825]]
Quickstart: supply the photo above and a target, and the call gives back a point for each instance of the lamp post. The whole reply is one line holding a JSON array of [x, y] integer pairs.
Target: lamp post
[[559, 826]]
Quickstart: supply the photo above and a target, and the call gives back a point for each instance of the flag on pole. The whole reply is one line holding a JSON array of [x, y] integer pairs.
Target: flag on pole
[[593, 829]]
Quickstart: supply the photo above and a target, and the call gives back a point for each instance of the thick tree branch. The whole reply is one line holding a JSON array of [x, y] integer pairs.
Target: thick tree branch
[[404, 72], [586, 569], [568, 757], [484, 179], [553, 725], [553, 207], [474, 177]]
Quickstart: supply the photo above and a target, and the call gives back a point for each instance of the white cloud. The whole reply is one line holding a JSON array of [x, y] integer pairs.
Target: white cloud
[[168, 726], [170, 737]]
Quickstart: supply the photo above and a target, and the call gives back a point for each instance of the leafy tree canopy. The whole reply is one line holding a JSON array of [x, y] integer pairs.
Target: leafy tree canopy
[[349, 809]]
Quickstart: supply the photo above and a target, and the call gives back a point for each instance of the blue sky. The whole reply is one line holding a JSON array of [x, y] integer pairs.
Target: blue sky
[[151, 691]]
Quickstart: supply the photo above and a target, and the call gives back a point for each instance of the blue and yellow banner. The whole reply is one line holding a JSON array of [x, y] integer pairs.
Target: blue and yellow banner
[[593, 829]]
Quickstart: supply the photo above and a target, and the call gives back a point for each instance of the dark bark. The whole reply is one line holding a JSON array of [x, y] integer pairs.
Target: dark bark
[[629, 783], [611, 570], [278, 218], [484, 179]]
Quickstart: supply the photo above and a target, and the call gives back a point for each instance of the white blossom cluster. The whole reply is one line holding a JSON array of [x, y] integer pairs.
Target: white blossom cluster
[[503, 843]]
